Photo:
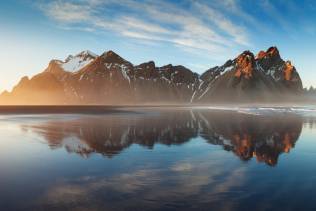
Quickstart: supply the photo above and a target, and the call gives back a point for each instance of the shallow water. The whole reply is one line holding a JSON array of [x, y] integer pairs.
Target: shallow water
[[159, 159]]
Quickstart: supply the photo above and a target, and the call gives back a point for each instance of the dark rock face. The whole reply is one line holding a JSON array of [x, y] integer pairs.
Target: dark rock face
[[265, 77], [109, 79]]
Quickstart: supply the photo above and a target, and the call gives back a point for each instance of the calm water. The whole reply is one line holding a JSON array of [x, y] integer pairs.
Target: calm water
[[159, 159]]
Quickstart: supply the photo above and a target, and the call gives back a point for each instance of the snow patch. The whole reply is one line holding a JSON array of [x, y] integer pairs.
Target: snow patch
[[228, 68], [76, 63], [124, 73]]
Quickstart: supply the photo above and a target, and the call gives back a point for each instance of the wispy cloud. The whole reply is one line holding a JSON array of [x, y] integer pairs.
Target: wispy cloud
[[275, 14], [236, 32], [200, 27], [137, 24], [68, 12], [233, 7]]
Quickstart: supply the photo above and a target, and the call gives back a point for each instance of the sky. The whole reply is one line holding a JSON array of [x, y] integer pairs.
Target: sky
[[198, 34]]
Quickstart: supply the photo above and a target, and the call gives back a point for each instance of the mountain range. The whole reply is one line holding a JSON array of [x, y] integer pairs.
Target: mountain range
[[109, 79]]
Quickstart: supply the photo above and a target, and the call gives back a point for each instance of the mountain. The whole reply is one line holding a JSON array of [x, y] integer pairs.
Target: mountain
[[250, 78], [87, 78]]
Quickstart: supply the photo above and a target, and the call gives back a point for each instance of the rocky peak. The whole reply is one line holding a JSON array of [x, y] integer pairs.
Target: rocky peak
[[245, 65], [24, 79], [77, 62], [146, 70], [83, 56], [269, 59], [112, 57], [88, 53], [54, 66], [147, 65], [5, 93], [270, 53], [261, 55], [273, 51]]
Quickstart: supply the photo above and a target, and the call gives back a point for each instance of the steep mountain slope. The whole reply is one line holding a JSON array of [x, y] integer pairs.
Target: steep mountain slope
[[105, 79], [265, 77], [109, 79]]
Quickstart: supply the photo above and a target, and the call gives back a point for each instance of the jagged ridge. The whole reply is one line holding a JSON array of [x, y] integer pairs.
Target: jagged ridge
[[249, 78], [109, 79]]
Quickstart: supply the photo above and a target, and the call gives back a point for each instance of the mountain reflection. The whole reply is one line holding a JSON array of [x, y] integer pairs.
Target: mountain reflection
[[247, 136]]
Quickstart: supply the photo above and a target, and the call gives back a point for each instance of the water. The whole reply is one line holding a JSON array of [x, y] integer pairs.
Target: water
[[159, 159]]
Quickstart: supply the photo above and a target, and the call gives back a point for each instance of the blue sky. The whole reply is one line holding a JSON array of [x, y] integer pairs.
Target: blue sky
[[195, 33]]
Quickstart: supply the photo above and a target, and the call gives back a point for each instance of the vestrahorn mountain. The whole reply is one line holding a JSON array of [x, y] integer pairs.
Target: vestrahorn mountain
[[109, 79]]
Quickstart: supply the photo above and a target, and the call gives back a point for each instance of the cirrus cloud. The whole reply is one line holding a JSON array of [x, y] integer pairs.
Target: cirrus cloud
[[197, 27]]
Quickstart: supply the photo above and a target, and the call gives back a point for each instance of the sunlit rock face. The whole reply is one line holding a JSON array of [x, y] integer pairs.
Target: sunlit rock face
[[43, 88], [261, 137], [248, 78], [245, 65], [87, 78]]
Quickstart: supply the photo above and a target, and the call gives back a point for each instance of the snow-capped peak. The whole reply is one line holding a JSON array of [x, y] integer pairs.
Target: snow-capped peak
[[75, 63], [88, 53]]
